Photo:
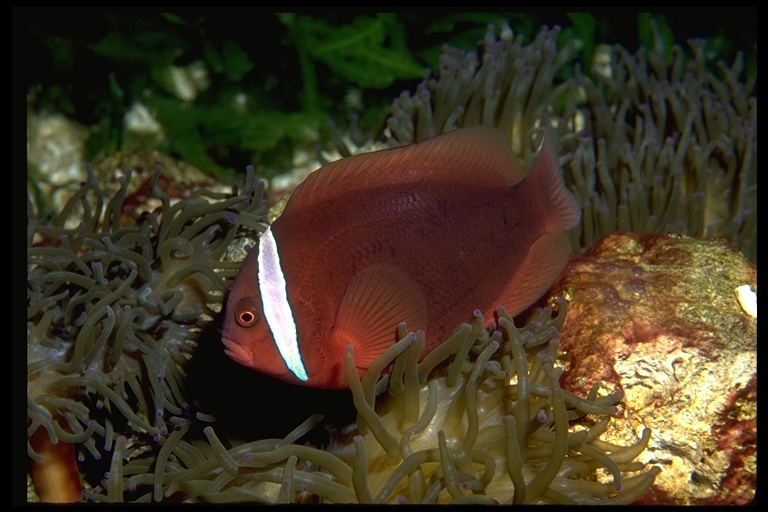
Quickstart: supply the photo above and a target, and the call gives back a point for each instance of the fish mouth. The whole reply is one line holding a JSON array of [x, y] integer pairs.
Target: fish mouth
[[236, 351]]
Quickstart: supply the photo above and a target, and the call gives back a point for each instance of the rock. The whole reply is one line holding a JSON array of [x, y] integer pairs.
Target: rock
[[659, 317]]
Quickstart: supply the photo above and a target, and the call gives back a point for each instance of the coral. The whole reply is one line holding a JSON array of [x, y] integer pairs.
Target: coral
[[647, 145]]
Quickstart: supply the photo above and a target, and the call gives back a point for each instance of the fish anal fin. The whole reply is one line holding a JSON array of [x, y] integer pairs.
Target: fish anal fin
[[545, 261], [377, 299]]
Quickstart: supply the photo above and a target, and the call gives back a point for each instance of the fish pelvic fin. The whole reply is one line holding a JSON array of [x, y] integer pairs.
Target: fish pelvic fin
[[377, 299]]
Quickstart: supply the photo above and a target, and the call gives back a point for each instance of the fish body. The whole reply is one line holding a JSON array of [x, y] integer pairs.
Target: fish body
[[426, 234]]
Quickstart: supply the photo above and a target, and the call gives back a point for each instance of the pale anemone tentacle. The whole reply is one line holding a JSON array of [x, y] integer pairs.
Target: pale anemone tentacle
[[646, 144], [435, 459], [116, 302]]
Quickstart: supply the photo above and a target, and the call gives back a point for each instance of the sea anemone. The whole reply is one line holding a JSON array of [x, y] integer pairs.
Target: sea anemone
[[493, 427], [490, 427], [647, 145], [113, 310]]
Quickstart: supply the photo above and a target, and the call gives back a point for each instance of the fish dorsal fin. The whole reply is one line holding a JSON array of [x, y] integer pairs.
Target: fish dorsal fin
[[377, 299], [546, 259], [477, 154]]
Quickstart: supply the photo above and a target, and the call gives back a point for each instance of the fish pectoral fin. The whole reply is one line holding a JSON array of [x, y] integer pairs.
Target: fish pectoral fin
[[545, 261], [377, 299]]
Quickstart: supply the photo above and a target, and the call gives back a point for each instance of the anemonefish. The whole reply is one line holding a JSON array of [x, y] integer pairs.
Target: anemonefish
[[425, 234]]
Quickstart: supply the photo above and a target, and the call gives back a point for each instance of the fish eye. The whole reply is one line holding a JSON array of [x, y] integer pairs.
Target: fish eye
[[246, 317]]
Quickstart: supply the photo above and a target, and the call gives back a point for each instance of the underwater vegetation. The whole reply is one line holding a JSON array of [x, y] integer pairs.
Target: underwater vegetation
[[198, 84], [118, 300]]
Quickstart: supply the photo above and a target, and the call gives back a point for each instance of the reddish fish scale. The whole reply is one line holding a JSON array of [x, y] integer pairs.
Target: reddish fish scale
[[463, 233]]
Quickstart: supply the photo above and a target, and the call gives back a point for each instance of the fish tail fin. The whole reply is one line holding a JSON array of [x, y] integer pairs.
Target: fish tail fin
[[549, 254], [545, 261], [546, 180]]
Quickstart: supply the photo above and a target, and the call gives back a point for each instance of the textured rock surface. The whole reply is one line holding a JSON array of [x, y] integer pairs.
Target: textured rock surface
[[658, 317]]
